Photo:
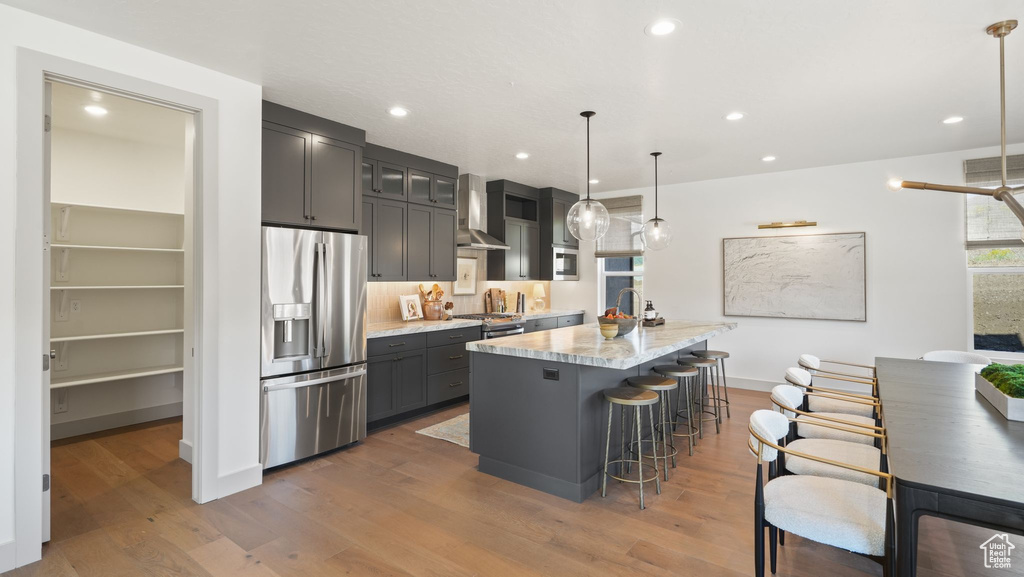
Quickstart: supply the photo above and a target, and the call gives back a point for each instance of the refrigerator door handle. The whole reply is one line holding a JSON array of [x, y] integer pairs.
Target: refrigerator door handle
[[312, 382], [321, 297], [328, 271]]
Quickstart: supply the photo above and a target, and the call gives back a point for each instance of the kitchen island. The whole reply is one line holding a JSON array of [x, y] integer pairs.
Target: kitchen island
[[537, 415]]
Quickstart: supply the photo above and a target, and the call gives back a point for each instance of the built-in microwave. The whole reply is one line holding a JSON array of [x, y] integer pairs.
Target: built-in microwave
[[566, 264]]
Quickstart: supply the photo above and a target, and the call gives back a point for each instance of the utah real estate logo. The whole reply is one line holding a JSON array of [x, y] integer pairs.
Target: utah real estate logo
[[997, 551]]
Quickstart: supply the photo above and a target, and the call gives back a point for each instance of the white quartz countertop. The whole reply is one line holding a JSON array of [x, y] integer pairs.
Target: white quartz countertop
[[397, 328], [584, 345]]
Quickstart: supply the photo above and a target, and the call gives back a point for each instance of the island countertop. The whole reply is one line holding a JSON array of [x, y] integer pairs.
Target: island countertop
[[584, 345]]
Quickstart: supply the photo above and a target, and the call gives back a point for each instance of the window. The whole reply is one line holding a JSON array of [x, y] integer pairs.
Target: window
[[615, 274], [995, 261]]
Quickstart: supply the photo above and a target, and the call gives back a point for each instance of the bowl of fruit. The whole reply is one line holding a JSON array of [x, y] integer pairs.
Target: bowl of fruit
[[615, 324]]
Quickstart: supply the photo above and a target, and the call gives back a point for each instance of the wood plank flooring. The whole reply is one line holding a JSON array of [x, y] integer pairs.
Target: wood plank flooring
[[402, 504]]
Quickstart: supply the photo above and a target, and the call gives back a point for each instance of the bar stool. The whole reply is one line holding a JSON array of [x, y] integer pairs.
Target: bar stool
[[627, 397], [719, 372], [707, 398], [684, 390], [664, 387]]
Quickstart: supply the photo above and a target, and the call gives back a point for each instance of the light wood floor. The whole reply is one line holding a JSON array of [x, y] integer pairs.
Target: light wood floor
[[405, 504]]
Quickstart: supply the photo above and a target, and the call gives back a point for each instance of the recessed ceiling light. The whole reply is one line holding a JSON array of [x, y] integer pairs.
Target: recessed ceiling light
[[661, 27], [734, 116], [96, 110], [397, 111], [522, 155], [768, 158], [594, 181], [953, 120]]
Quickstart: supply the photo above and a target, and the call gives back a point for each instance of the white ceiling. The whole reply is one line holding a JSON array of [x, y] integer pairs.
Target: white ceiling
[[126, 118], [821, 82]]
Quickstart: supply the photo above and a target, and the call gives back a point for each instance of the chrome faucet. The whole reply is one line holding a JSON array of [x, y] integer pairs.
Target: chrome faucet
[[639, 296]]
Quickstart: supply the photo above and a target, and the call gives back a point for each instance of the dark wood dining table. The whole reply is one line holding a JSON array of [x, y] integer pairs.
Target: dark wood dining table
[[952, 454]]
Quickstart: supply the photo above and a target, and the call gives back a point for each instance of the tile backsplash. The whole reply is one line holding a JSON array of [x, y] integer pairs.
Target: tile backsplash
[[382, 304]]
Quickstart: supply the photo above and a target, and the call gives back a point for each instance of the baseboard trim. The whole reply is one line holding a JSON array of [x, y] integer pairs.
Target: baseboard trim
[[7, 556], [185, 451], [113, 421], [240, 480]]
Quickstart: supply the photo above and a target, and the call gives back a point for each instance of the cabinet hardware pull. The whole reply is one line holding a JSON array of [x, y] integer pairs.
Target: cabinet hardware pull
[[454, 384], [311, 217], [455, 357], [454, 336], [401, 344], [398, 358]]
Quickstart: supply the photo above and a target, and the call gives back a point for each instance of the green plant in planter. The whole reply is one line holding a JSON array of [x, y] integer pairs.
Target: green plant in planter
[[1007, 378]]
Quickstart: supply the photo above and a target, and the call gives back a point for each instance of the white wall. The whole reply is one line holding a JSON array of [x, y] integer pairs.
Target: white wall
[[233, 253], [97, 169], [916, 268]]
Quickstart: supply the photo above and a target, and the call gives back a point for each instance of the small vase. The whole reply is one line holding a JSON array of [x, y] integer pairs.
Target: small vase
[[433, 310]]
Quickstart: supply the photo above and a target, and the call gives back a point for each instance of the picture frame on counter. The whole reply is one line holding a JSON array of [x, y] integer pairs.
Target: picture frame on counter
[[465, 276], [410, 307]]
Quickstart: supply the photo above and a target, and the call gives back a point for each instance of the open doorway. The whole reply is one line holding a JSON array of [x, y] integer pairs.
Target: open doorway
[[119, 187]]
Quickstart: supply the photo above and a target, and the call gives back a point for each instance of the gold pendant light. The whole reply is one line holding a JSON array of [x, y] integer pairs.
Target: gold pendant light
[[1003, 193]]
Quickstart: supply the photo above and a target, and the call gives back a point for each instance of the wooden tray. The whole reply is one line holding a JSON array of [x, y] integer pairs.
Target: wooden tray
[[654, 323]]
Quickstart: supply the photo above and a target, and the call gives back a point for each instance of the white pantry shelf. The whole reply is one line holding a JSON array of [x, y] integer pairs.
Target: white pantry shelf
[[116, 248], [60, 383], [117, 287], [116, 335], [117, 208]]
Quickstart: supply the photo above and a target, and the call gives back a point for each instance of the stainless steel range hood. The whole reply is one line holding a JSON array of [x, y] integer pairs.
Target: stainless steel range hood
[[472, 208]]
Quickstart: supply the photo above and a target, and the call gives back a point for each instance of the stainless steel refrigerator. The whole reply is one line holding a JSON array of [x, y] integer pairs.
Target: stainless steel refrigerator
[[313, 342]]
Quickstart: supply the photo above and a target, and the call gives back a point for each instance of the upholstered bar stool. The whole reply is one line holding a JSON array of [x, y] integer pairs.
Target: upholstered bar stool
[[626, 398], [707, 397], [719, 374], [686, 377], [664, 387]]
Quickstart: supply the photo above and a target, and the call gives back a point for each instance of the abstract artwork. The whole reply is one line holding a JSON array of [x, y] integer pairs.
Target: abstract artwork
[[818, 276]]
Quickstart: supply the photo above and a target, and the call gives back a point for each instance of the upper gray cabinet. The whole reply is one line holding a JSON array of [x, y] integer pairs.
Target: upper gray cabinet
[[554, 207], [431, 234], [445, 188], [384, 179], [513, 215], [420, 187], [287, 167], [311, 170]]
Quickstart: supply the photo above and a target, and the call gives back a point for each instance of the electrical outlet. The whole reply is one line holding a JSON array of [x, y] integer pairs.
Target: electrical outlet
[[60, 401], [76, 307]]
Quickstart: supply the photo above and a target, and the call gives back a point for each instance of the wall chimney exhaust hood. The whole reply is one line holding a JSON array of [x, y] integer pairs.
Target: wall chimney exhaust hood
[[472, 232]]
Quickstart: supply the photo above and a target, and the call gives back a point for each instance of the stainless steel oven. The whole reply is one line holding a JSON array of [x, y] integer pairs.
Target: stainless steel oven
[[566, 263], [502, 330]]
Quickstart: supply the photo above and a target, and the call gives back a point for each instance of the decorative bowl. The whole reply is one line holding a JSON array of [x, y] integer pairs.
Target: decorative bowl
[[623, 326]]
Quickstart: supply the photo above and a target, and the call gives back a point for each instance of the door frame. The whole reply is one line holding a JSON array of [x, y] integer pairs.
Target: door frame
[[34, 69]]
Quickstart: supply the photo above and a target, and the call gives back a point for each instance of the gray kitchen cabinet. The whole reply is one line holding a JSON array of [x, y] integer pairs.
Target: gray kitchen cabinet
[[411, 380], [380, 390], [369, 177], [445, 191], [335, 185], [513, 217], [384, 224], [570, 321], [395, 383], [554, 207], [287, 169], [421, 187], [421, 226], [522, 260], [310, 170], [443, 244], [410, 374], [431, 235]]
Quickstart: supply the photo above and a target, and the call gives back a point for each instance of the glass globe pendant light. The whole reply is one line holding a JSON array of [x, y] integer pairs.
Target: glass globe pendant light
[[588, 219], [657, 233]]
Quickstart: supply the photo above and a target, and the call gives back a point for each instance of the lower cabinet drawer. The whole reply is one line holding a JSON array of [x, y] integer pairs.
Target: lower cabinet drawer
[[447, 386], [570, 320], [546, 324], [449, 358]]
